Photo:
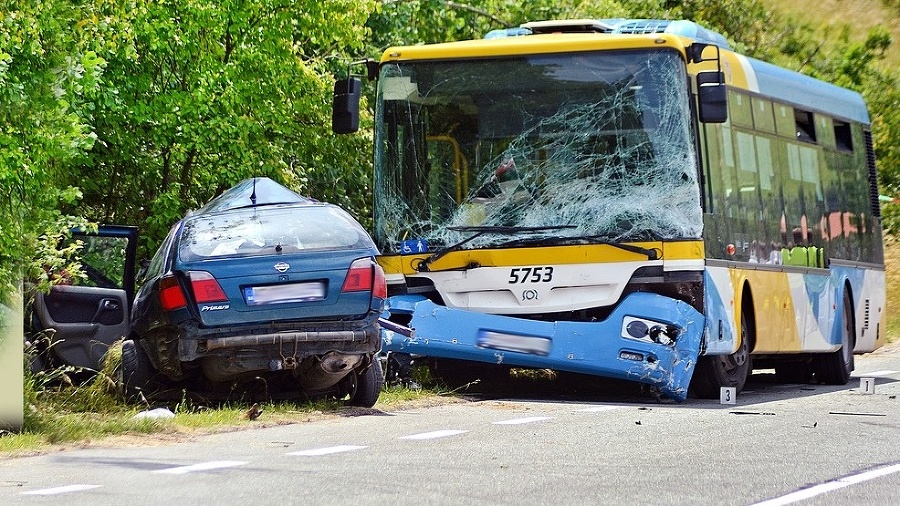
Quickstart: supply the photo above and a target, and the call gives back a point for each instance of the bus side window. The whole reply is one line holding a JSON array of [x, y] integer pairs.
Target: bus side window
[[806, 128]]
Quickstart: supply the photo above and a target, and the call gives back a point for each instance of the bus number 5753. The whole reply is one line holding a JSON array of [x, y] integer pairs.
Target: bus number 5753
[[531, 274]]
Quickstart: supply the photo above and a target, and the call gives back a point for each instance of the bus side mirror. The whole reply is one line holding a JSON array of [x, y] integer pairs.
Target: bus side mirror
[[345, 107], [712, 99]]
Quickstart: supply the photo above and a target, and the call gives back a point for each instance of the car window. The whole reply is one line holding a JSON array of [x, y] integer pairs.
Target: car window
[[155, 267], [267, 231], [103, 261]]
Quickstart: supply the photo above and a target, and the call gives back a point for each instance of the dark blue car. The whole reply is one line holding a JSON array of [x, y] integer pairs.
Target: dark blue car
[[260, 290]]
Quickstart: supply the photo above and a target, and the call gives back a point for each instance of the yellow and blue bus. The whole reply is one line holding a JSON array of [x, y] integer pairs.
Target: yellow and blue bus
[[623, 198]]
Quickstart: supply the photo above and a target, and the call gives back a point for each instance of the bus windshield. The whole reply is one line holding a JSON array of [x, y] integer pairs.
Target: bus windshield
[[582, 145]]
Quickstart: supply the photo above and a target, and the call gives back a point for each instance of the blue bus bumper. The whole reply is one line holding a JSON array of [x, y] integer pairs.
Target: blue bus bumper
[[597, 348]]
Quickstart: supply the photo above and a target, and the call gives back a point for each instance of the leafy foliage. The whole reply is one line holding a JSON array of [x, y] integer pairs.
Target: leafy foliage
[[46, 72], [208, 93]]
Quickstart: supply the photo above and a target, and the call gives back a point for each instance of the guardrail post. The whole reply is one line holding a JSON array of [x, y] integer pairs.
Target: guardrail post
[[12, 357]]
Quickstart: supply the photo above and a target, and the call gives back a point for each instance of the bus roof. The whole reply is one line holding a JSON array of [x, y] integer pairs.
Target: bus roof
[[802, 90], [547, 37]]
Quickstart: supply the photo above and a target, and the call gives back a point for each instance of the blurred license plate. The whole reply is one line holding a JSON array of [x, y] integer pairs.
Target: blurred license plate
[[514, 342], [277, 294]]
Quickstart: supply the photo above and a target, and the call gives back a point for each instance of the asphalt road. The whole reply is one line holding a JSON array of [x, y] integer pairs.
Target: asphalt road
[[588, 444]]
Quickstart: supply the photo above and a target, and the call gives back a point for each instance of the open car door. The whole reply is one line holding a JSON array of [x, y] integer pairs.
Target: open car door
[[82, 320]]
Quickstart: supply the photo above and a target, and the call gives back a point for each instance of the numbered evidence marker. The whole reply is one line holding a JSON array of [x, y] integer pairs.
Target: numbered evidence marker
[[867, 385], [727, 395]]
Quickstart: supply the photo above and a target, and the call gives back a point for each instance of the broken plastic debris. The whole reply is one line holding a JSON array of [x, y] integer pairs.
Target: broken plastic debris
[[855, 413], [155, 414]]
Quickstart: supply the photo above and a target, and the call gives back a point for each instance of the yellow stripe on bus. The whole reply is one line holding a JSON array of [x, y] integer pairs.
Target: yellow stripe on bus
[[773, 308], [532, 45], [734, 66], [542, 255]]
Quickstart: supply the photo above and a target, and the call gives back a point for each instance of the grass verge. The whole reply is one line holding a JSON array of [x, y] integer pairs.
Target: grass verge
[[892, 282], [67, 408]]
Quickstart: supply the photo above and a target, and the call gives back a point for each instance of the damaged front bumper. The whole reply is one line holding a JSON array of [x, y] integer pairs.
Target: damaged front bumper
[[664, 356]]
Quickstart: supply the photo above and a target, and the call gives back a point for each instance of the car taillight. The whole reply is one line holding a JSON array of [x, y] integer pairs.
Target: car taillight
[[170, 295], [380, 289], [359, 277], [206, 288]]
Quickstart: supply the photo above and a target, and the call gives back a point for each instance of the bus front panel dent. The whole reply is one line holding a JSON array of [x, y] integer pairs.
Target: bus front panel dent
[[599, 348]]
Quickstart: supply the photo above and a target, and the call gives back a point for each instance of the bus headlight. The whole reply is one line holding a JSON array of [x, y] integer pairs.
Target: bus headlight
[[649, 330], [637, 329]]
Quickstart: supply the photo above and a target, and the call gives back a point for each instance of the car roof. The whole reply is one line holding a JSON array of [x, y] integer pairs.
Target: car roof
[[253, 192]]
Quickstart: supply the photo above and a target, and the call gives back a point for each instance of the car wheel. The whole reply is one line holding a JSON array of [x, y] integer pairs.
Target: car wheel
[[38, 365], [834, 368], [368, 385], [135, 372], [716, 371]]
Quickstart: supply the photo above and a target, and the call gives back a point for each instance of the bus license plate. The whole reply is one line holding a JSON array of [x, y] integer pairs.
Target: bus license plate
[[532, 345]]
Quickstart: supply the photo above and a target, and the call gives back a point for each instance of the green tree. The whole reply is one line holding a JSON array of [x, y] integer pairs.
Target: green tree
[[46, 72], [147, 109], [207, 93]]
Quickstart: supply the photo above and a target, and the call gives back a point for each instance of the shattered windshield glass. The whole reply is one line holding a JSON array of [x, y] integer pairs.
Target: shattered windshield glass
[[269, 230], [594, 145]]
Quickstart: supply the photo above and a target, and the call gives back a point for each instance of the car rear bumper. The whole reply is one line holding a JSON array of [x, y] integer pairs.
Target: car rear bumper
[[281, 338], [361, 336], [225, 354], [598, 348]]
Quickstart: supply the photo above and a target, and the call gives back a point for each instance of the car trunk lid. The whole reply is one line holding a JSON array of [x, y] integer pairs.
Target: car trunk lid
[[280, 288]]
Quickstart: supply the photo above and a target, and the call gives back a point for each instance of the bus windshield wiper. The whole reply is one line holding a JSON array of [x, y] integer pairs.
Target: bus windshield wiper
[[652, 254], [478, 232]]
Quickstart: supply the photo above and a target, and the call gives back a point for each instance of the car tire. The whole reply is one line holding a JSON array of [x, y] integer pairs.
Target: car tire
[[37, 363], [135, 372], [368, 385]]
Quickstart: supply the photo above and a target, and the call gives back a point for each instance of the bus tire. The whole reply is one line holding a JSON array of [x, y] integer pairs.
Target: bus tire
[[716, 371], [834, 368]]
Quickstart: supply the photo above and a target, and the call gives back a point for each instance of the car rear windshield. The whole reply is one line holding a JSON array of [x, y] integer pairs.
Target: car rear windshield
[[270, 231]]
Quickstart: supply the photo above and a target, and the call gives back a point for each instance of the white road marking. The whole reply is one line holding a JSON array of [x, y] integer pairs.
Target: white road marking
[[597, 409], [205, 466], [61, 490], [327, 451], [887, 372], [435, 434], [519, 421], [846, 481]]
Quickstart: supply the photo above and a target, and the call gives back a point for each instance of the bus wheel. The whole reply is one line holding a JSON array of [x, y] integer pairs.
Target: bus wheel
[[834, 368], [716, 371]]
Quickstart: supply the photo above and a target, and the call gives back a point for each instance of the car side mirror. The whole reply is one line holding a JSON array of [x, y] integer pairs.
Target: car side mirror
[[345, 107]]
